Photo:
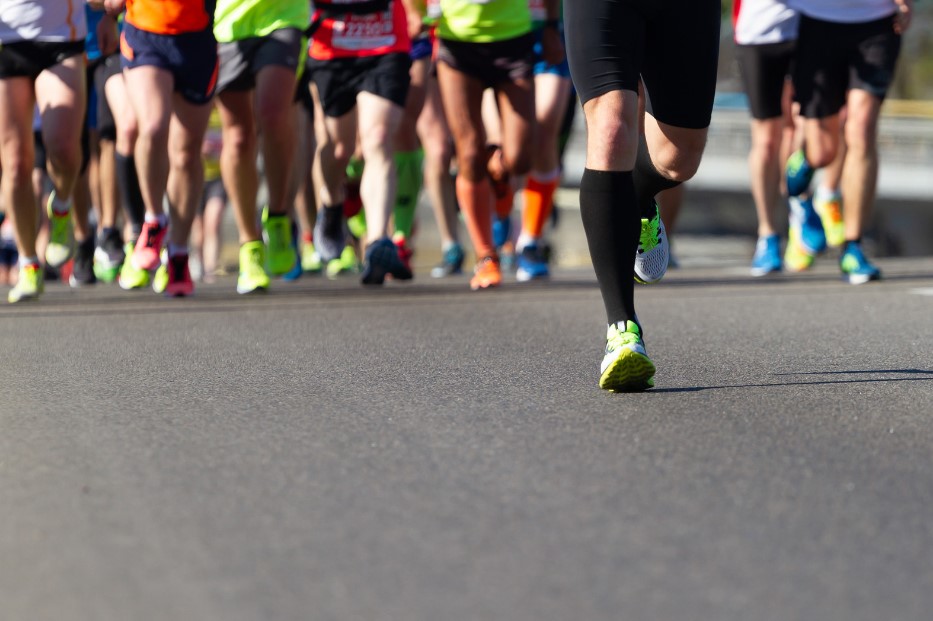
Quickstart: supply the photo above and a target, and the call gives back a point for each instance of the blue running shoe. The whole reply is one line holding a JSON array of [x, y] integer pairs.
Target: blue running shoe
[[855, 266], [297, 269], [804, 218], [767, 257], [532, 264], [798, 173], [451, 263], [501, 231]]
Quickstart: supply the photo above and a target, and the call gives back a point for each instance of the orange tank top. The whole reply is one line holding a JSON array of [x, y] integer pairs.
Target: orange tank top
[[170, 16]]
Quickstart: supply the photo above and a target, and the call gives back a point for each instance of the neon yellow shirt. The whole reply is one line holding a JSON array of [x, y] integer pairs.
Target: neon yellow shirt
[[479, 21], [243, 19]]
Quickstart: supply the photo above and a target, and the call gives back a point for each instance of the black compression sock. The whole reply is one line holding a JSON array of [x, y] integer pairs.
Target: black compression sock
[[130, 194], [648, 181], [612, 225]]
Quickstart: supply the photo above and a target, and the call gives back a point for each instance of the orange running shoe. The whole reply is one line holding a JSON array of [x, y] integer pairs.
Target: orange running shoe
[[486, 274]]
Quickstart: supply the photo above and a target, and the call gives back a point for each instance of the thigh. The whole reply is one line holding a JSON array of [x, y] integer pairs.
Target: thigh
[[17, 100], [461, 97], [681, 62], [61, 94], [604, 59], [379, 119], [188, 127]]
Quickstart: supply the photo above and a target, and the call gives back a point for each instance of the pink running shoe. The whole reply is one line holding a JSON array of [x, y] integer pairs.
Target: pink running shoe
[[148, 246], [179, 277]]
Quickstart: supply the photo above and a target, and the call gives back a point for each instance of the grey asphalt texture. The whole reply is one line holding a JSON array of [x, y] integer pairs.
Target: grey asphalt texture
[[422, 452]]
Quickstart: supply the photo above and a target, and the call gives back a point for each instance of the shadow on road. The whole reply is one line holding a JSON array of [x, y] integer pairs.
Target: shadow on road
[[927, 376]]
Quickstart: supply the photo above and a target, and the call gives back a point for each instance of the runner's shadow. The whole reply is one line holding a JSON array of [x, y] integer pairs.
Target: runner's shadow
[[922, 376]]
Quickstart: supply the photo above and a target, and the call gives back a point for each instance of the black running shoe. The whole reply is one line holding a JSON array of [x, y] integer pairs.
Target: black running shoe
[[382, 260], [82, 273]]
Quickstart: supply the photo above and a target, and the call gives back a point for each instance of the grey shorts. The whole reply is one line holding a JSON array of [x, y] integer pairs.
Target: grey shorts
[[241, 60]]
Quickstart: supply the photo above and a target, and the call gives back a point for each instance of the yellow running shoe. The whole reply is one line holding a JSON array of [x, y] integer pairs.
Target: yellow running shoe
[[626, 366], [253, 276], [29, 286], [829, 208]]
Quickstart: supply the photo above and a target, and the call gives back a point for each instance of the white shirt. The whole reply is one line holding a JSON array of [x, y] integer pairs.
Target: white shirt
[[845, 11], [42, 20], [757, 22]]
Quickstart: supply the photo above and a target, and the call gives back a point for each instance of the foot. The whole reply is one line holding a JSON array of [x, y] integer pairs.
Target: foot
[[149, 246], [451, 263], [131, 277], [653, 253], [487, 274], [855, 266], [382, 259], [532, 264], [626, 366], [252, 276], [82, 272], [29, 286], [767, 257], [179, 278], [109, 255], [277, 233], [61, 236]]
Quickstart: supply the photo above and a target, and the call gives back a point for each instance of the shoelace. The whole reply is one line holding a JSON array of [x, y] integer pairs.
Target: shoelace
[[650, 234]]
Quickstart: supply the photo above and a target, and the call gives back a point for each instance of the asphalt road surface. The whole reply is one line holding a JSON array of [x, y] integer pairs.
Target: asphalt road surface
[[421, 452]]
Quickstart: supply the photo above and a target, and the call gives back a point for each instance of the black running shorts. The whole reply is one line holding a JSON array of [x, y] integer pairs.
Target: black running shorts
[[673, 45], [833, 58], [340, 80], [30, 58], [107, 69], [764, 69], [491, 63]]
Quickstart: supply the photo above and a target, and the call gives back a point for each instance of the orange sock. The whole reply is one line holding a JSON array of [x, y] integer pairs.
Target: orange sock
[[539, 201], [475, 200]]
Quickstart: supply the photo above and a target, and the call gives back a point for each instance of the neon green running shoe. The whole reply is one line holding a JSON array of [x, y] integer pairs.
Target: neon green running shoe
[[346, 263], [310, 259], [829, 208], [626, 366], [796, 257], [160, 278], [654, 251], [357, 224], [277, 233], [253, 276], [29, 286], [131, 277], [61, 236]]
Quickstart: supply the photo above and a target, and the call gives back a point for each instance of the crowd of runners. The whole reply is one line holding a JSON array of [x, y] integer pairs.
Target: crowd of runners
[[127, 126]]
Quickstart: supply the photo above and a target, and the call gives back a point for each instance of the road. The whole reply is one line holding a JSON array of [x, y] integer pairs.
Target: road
[[421, 452]]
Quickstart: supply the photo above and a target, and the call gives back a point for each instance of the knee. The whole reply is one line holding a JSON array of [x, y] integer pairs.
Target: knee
[[471, 162], [17, 168], [64, 153], [519, 163], [155, 130], [238, 141]]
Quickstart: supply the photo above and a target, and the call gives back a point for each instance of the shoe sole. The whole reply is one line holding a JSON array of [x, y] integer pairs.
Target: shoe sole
[[860, 279], [74, 283], [758, 272], [630, 372], [247, 291], [525, 276]]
